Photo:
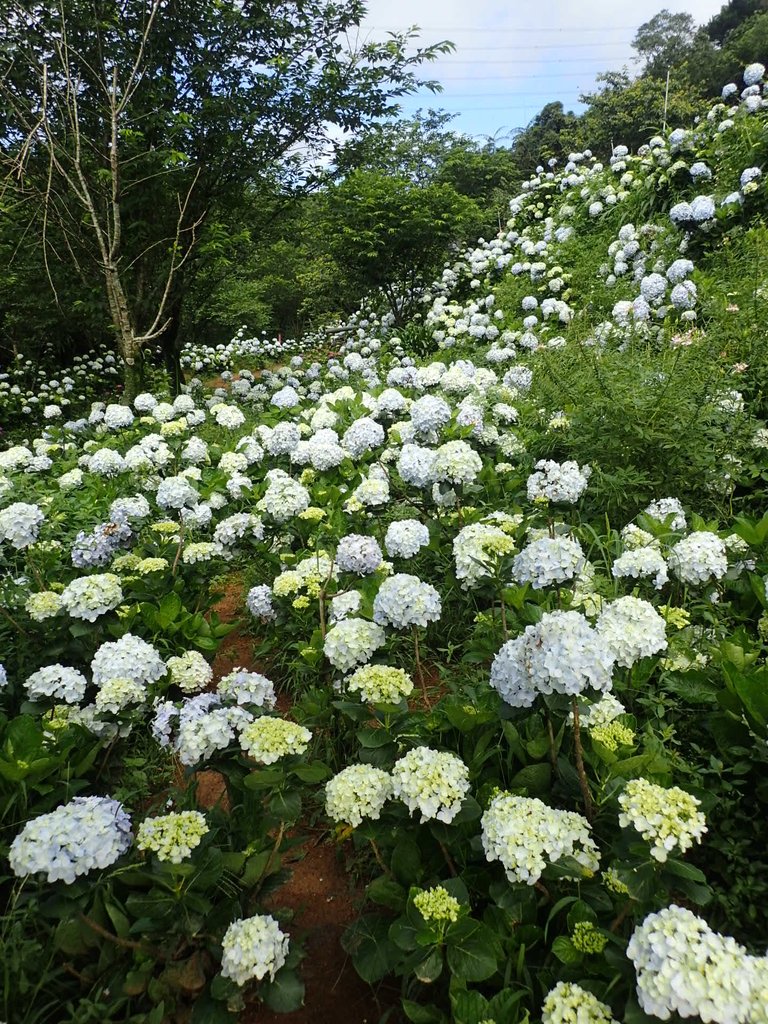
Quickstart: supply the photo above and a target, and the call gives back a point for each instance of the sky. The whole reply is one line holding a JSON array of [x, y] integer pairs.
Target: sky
[[512, 58]]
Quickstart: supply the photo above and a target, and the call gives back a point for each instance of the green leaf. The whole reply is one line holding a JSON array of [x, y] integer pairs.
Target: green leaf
[[387, 893], [535, 778], [473, 950], [420, 1014], [285, 994], [430, 967], [317, 771], [565, 951], [368, 943], [406, 862]]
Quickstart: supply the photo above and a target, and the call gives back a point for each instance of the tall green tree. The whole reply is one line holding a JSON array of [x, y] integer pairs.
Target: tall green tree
[[134, 125]]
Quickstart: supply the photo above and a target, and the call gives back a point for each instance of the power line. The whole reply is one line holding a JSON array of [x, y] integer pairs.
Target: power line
[[566, 60], [508, 78], [498, 31], [543, 46]]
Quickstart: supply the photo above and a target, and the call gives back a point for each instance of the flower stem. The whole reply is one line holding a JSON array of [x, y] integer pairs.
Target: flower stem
[[589, 807], [419, 671]]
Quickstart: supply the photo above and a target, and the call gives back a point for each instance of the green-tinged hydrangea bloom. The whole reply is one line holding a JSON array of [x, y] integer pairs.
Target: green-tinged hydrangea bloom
[[174, 836], [126, 563], [614, 883], [380, 684], [147, 565], [117, 694], [668, 818], [437, 904], [613, 735], [587, 938], [568, 1003], [44, 605], [252, 948], [267, 739], [359, 791]]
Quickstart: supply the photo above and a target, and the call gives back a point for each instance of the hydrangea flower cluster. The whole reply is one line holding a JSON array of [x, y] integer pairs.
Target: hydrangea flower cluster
[[284, 497], [699, 558], [244, 687], [569, 1003], [456, 463], [432, 782], [88, 832], [44, 605], [352, 642], [358, 554], [437, 904], [560, 654], [665, 507], [560, 482], [172, 837], [130, 657], [357, 792], [267, 739], [200, 737], [259, 603], [548, 561], [642, 563], [380, 684], [89, 597], [474, 549], [667, 818], [685, 968], [405, 538], [252, 948], [190, 671], [20, 524], [631, 629], [115, 695], [404, 601], [526, 835], [58, 682]]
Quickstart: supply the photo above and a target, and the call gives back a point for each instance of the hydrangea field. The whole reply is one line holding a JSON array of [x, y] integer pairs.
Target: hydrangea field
[[504, 592]]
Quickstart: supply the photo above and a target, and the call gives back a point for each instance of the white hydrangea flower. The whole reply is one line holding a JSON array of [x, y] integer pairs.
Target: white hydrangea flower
[[405, 538], [404, 600], [456, 463], [358, 554], [88, 597], [631, 629], [176, 492], [362, 436], [526, 835], [44, 605], [200, 737], [475, 547], [252, 948], [115, 695], [352, 642], [284, 497], [699, 558], [244, 687], [130, 657], [569, 1003], [359, 791], [345, 605], [429, 414], [666, 817], [380, 684], [20, 524], [416, 464], [267, 739], [642, 563], [547, 561], [685, 968], [432, 782], [57, 681], [560, 654], [664, 507], [87, 833], [190, 671], [238, 527], [259, 603], [560, 482]]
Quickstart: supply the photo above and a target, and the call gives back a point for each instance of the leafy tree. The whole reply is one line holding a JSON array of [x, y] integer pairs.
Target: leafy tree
[[390, 234], [664, 41], [134, 125], [732, 16], [550, 134]]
